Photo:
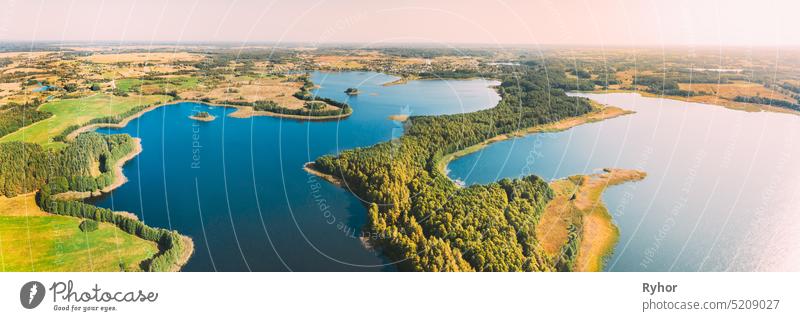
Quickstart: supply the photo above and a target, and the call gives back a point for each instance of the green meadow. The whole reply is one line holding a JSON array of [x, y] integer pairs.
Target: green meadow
[[55, 243], [70, 112], [149, 86]]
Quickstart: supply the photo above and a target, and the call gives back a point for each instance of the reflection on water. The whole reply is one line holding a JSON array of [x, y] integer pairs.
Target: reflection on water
[[722, 191]]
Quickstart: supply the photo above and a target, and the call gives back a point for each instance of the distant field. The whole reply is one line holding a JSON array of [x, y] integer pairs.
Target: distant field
[[142, 57], [148, 87], [76, 112], [730, 91], [46, 242]]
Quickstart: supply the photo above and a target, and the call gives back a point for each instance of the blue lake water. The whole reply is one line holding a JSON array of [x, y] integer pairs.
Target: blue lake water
[[41, 89], [722, 192], [237, 186]]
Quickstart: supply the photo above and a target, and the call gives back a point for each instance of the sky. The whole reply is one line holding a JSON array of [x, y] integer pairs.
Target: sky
[[447, 22]]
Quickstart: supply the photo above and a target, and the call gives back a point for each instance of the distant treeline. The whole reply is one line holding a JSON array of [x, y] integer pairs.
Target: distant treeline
[[768, 101]]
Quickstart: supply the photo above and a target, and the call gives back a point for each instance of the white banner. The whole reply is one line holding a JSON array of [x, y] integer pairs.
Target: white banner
[[399, 296]]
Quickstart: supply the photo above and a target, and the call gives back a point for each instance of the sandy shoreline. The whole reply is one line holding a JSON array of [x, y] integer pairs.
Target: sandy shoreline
[[309, 168], [399, 117]]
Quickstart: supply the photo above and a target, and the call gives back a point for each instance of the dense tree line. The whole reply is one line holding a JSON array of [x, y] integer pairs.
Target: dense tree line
[[768, 101], [664, 86], [423, 219], [14, 116]]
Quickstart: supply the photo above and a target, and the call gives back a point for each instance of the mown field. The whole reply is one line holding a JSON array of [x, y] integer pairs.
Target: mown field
[[71, 112], [149, 86], [32, 240]]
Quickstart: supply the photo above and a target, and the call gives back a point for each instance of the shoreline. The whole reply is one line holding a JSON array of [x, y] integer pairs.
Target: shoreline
[[187, 250], [595, 247], [241, 112], [119, 176], [401, 81], [719, 101], [399, 117], [405, 79], [599, 114]]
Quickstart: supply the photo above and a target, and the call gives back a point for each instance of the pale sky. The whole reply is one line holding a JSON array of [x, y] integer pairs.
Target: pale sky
[[494, 22]]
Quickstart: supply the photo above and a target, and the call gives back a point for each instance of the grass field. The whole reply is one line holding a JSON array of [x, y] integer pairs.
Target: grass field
[[47, 242], [152, 86], [77, 112], [143, 57]]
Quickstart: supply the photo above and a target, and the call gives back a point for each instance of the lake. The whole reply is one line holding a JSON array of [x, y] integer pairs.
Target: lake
[[722, 190], [237, 187]]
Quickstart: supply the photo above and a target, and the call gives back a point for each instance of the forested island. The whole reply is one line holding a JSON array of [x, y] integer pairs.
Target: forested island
[[202, 116]]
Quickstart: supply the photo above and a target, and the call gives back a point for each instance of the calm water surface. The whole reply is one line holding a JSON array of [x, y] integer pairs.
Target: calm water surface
[[237, 187], [722, 192]]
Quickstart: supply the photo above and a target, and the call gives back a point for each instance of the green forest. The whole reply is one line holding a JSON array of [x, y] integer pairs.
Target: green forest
[[428, 223]]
